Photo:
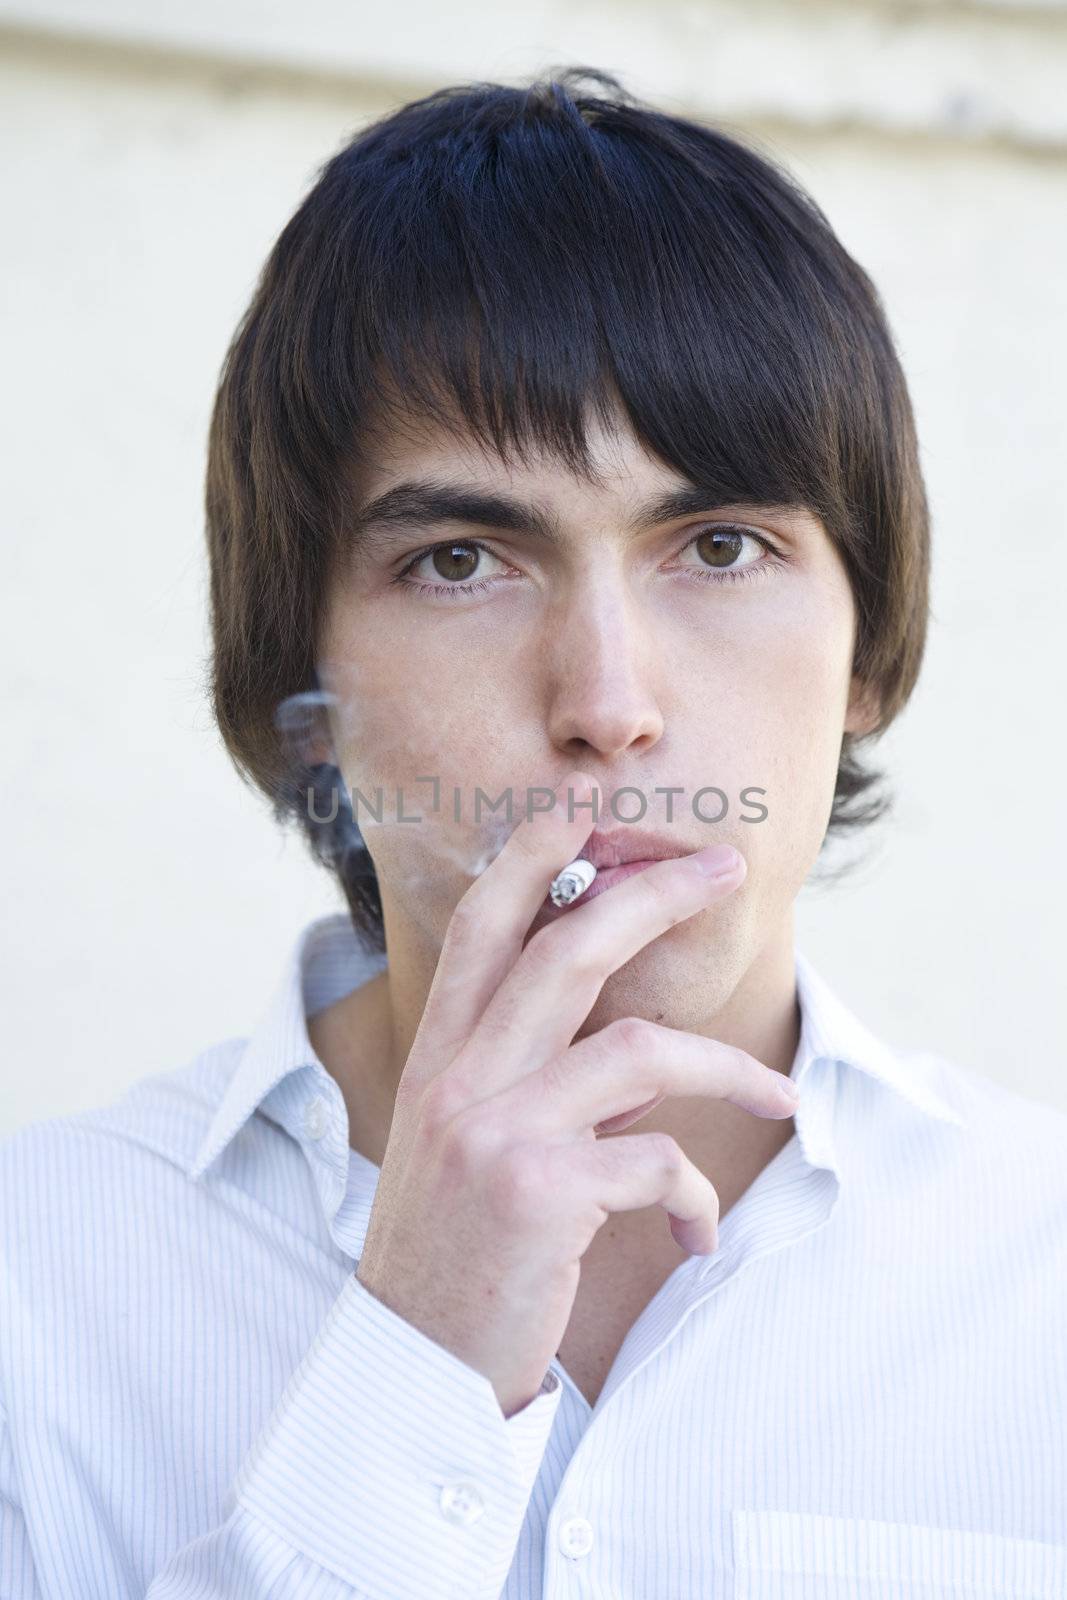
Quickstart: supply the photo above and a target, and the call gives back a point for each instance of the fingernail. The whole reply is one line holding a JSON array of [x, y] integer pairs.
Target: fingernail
[[716, 860], [789, 1087]]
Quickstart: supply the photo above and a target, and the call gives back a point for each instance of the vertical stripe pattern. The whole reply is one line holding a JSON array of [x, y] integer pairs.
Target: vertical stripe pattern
[[862, 1393]]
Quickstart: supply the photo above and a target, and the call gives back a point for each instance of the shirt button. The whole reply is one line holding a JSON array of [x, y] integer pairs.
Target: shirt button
[[576, 1537], [316, 1117], [462, 1502]]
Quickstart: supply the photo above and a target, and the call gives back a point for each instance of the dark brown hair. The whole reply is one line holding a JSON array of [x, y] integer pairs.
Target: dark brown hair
[[513, 257]]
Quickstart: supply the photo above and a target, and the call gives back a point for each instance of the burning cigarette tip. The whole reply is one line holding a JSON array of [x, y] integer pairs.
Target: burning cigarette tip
[[571, 882]]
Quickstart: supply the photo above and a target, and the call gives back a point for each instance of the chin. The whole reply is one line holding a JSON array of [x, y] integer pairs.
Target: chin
[[680, 980]]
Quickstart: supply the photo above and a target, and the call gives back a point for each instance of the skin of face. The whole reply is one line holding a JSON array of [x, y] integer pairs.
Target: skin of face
[[606, 650]]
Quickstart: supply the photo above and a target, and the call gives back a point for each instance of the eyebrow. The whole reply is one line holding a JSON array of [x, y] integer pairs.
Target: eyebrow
[[422, 503]]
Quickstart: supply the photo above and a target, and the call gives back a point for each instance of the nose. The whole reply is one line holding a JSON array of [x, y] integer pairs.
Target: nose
[[600, 658]]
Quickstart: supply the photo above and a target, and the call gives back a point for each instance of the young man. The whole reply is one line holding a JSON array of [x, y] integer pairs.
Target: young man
[[562, 456]]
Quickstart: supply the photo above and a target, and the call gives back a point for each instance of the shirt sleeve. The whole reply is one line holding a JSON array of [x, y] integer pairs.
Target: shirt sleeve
[[387, 1471]]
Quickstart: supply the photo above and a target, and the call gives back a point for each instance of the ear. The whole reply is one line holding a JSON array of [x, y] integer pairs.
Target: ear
[[864, 708]]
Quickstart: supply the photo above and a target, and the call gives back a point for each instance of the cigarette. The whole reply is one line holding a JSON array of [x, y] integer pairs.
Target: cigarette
[[571, 882]]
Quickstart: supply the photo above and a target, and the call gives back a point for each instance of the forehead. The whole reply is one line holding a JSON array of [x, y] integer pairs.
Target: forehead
[[400, 442]]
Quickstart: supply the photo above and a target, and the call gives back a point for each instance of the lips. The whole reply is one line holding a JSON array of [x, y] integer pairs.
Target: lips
[[611, 876], [619, 847]]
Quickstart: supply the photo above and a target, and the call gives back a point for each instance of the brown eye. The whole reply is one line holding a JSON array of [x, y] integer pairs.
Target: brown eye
[[455, 561], [720, 547]]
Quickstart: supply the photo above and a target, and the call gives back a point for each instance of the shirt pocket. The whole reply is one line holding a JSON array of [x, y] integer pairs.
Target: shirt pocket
[[800, 1555]]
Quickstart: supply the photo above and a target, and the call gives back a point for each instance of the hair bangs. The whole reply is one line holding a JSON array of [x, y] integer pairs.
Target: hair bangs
[[513, 276]]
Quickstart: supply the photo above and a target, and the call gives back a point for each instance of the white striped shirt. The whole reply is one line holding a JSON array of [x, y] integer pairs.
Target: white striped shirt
[[862, 1393]]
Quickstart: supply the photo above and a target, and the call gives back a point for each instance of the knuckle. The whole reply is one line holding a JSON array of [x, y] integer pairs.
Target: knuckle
[[667, 1152], [554, 947], [635, 1036], [554, 1076], [665, 902], [540, 950], [470, 1144], [517, 1185], [443, 1099]]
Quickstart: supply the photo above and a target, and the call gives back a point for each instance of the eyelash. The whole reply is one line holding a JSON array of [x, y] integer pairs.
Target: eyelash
[[475, 585]]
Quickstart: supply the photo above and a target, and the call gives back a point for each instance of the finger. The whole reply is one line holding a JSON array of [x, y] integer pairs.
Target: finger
[[485, 934], [627, 1068], [645, 1169], [550, 990]]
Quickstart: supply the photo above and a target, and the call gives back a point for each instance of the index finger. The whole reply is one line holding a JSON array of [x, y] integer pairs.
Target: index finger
[[485, 934]]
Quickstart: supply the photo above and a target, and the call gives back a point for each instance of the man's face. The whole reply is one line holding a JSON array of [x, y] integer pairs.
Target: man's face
[[618, 645]]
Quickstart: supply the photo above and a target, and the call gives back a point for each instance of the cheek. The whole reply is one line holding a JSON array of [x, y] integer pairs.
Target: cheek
[[408, 738], [397, 716], [391, 730], [783, 717]]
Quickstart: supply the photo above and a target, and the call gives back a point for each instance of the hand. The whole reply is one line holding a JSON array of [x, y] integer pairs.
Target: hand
[[493, 1182]]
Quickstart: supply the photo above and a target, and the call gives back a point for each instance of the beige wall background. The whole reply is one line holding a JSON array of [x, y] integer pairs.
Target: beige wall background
[[153, 153]]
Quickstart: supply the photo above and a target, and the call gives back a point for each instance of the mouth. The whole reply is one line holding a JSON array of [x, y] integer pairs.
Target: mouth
[[617, 854], [604, 880], [630, 847], [608, 877]]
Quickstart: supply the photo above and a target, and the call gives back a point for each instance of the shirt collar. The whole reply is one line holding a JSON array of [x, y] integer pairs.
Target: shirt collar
[[830, 1031], [328, 960]]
